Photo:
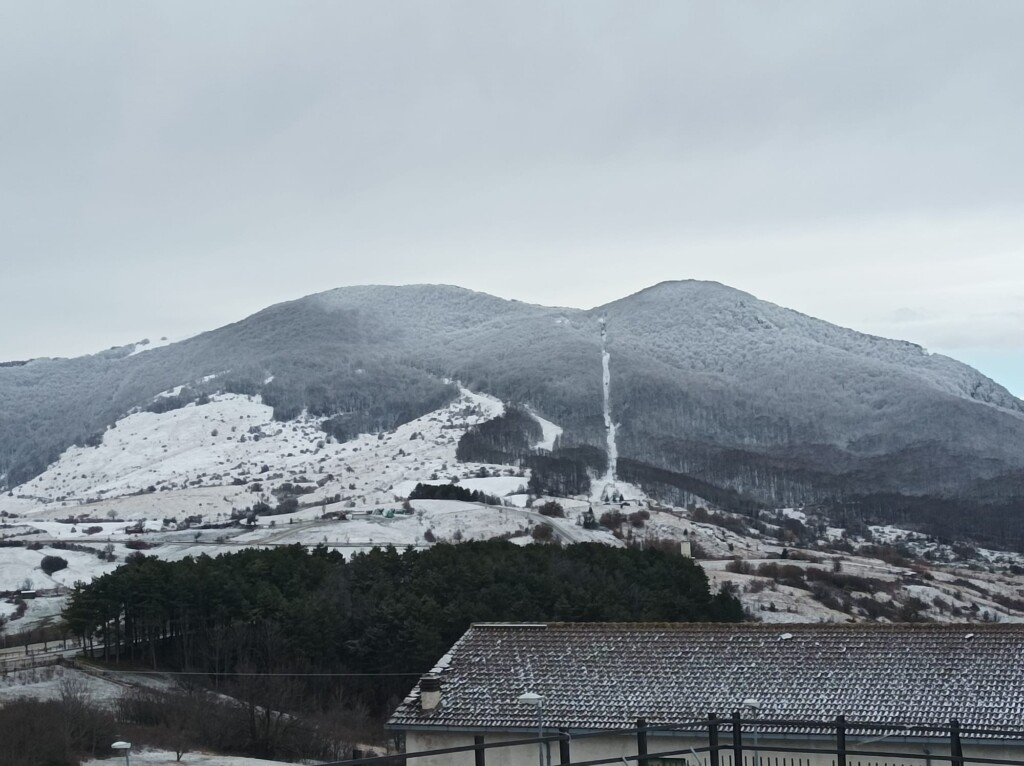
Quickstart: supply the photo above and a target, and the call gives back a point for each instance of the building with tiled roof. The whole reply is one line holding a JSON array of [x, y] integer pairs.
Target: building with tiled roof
[[592, 678]]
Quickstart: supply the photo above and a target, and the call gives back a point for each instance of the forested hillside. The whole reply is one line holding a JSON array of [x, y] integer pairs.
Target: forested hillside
[[710, 388]]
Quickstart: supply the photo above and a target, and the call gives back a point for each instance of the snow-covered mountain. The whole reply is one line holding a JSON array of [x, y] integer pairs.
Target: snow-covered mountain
[[222, 474], [711, 393]]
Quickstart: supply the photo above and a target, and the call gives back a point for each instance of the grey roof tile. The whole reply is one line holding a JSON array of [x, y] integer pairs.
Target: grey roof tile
[[603, 675]]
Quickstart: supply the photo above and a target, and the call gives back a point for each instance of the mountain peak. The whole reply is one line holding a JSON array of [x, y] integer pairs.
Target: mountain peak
[[707, 383], [690, 291]]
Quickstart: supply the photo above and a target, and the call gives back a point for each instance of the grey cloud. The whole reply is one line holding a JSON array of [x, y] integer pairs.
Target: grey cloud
[[191, 162]]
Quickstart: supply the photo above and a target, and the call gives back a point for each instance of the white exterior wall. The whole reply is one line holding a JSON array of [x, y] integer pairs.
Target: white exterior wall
[[593, 748]]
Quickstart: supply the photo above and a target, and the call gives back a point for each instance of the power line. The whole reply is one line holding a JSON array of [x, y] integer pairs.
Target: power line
[[256, 675]]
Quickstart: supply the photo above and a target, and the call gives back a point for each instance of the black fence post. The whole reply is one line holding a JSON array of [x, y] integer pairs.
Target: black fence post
[[641, 742], [563, 748], [479, 753], [840, 740], [955, 749], [737, 739], [713, 738]]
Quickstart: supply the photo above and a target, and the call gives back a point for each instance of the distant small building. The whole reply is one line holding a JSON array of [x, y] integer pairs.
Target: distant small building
[[599, 679]]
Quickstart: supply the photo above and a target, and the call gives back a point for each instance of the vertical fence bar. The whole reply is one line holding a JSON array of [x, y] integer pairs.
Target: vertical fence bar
[[641, 742], [479, 753], [955, 749], [737, 739], [563, 748], [840, 740], [713, 738]]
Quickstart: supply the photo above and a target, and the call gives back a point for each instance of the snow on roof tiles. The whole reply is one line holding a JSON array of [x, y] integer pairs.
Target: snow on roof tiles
[[606, 675]]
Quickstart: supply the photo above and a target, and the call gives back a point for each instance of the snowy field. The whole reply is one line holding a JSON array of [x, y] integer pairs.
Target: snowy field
[[234, 438], [167, 758], [48, 683], [174, 480]]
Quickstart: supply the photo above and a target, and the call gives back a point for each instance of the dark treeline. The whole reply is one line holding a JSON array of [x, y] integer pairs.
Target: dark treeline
[[682, 489], [566, 471], [452, 492], [507, 439], [289, 610], [999, 526]]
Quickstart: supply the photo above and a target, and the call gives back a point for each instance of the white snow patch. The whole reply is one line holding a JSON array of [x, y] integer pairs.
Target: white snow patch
[[549, 432], [20, 568], [45, 684], [148, 345], [792, 513], [168, 758]]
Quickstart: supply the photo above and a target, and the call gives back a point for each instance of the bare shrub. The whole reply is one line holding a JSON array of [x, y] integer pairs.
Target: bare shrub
[[543, 533], [739, 566], [551, 508]]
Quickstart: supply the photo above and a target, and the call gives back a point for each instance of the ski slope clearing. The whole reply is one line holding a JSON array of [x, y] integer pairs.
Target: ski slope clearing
[[549, 432]]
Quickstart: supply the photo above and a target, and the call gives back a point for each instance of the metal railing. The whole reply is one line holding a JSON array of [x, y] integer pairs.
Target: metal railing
[[738, 741]]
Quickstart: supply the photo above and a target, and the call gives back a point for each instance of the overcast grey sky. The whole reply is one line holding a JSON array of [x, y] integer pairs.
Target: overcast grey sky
[[166, 168]]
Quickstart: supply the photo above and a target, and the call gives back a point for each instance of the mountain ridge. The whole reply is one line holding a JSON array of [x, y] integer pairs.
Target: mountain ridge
[[708, 383]]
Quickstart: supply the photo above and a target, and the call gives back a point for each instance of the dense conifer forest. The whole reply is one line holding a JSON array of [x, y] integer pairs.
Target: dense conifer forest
[[384, 612]]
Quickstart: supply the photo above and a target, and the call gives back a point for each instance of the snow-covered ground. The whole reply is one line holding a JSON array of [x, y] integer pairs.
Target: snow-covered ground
[[48, 683], [549, 432], [167, 758], [148, 344], [174, 480], [207, 459], [20, 568]]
